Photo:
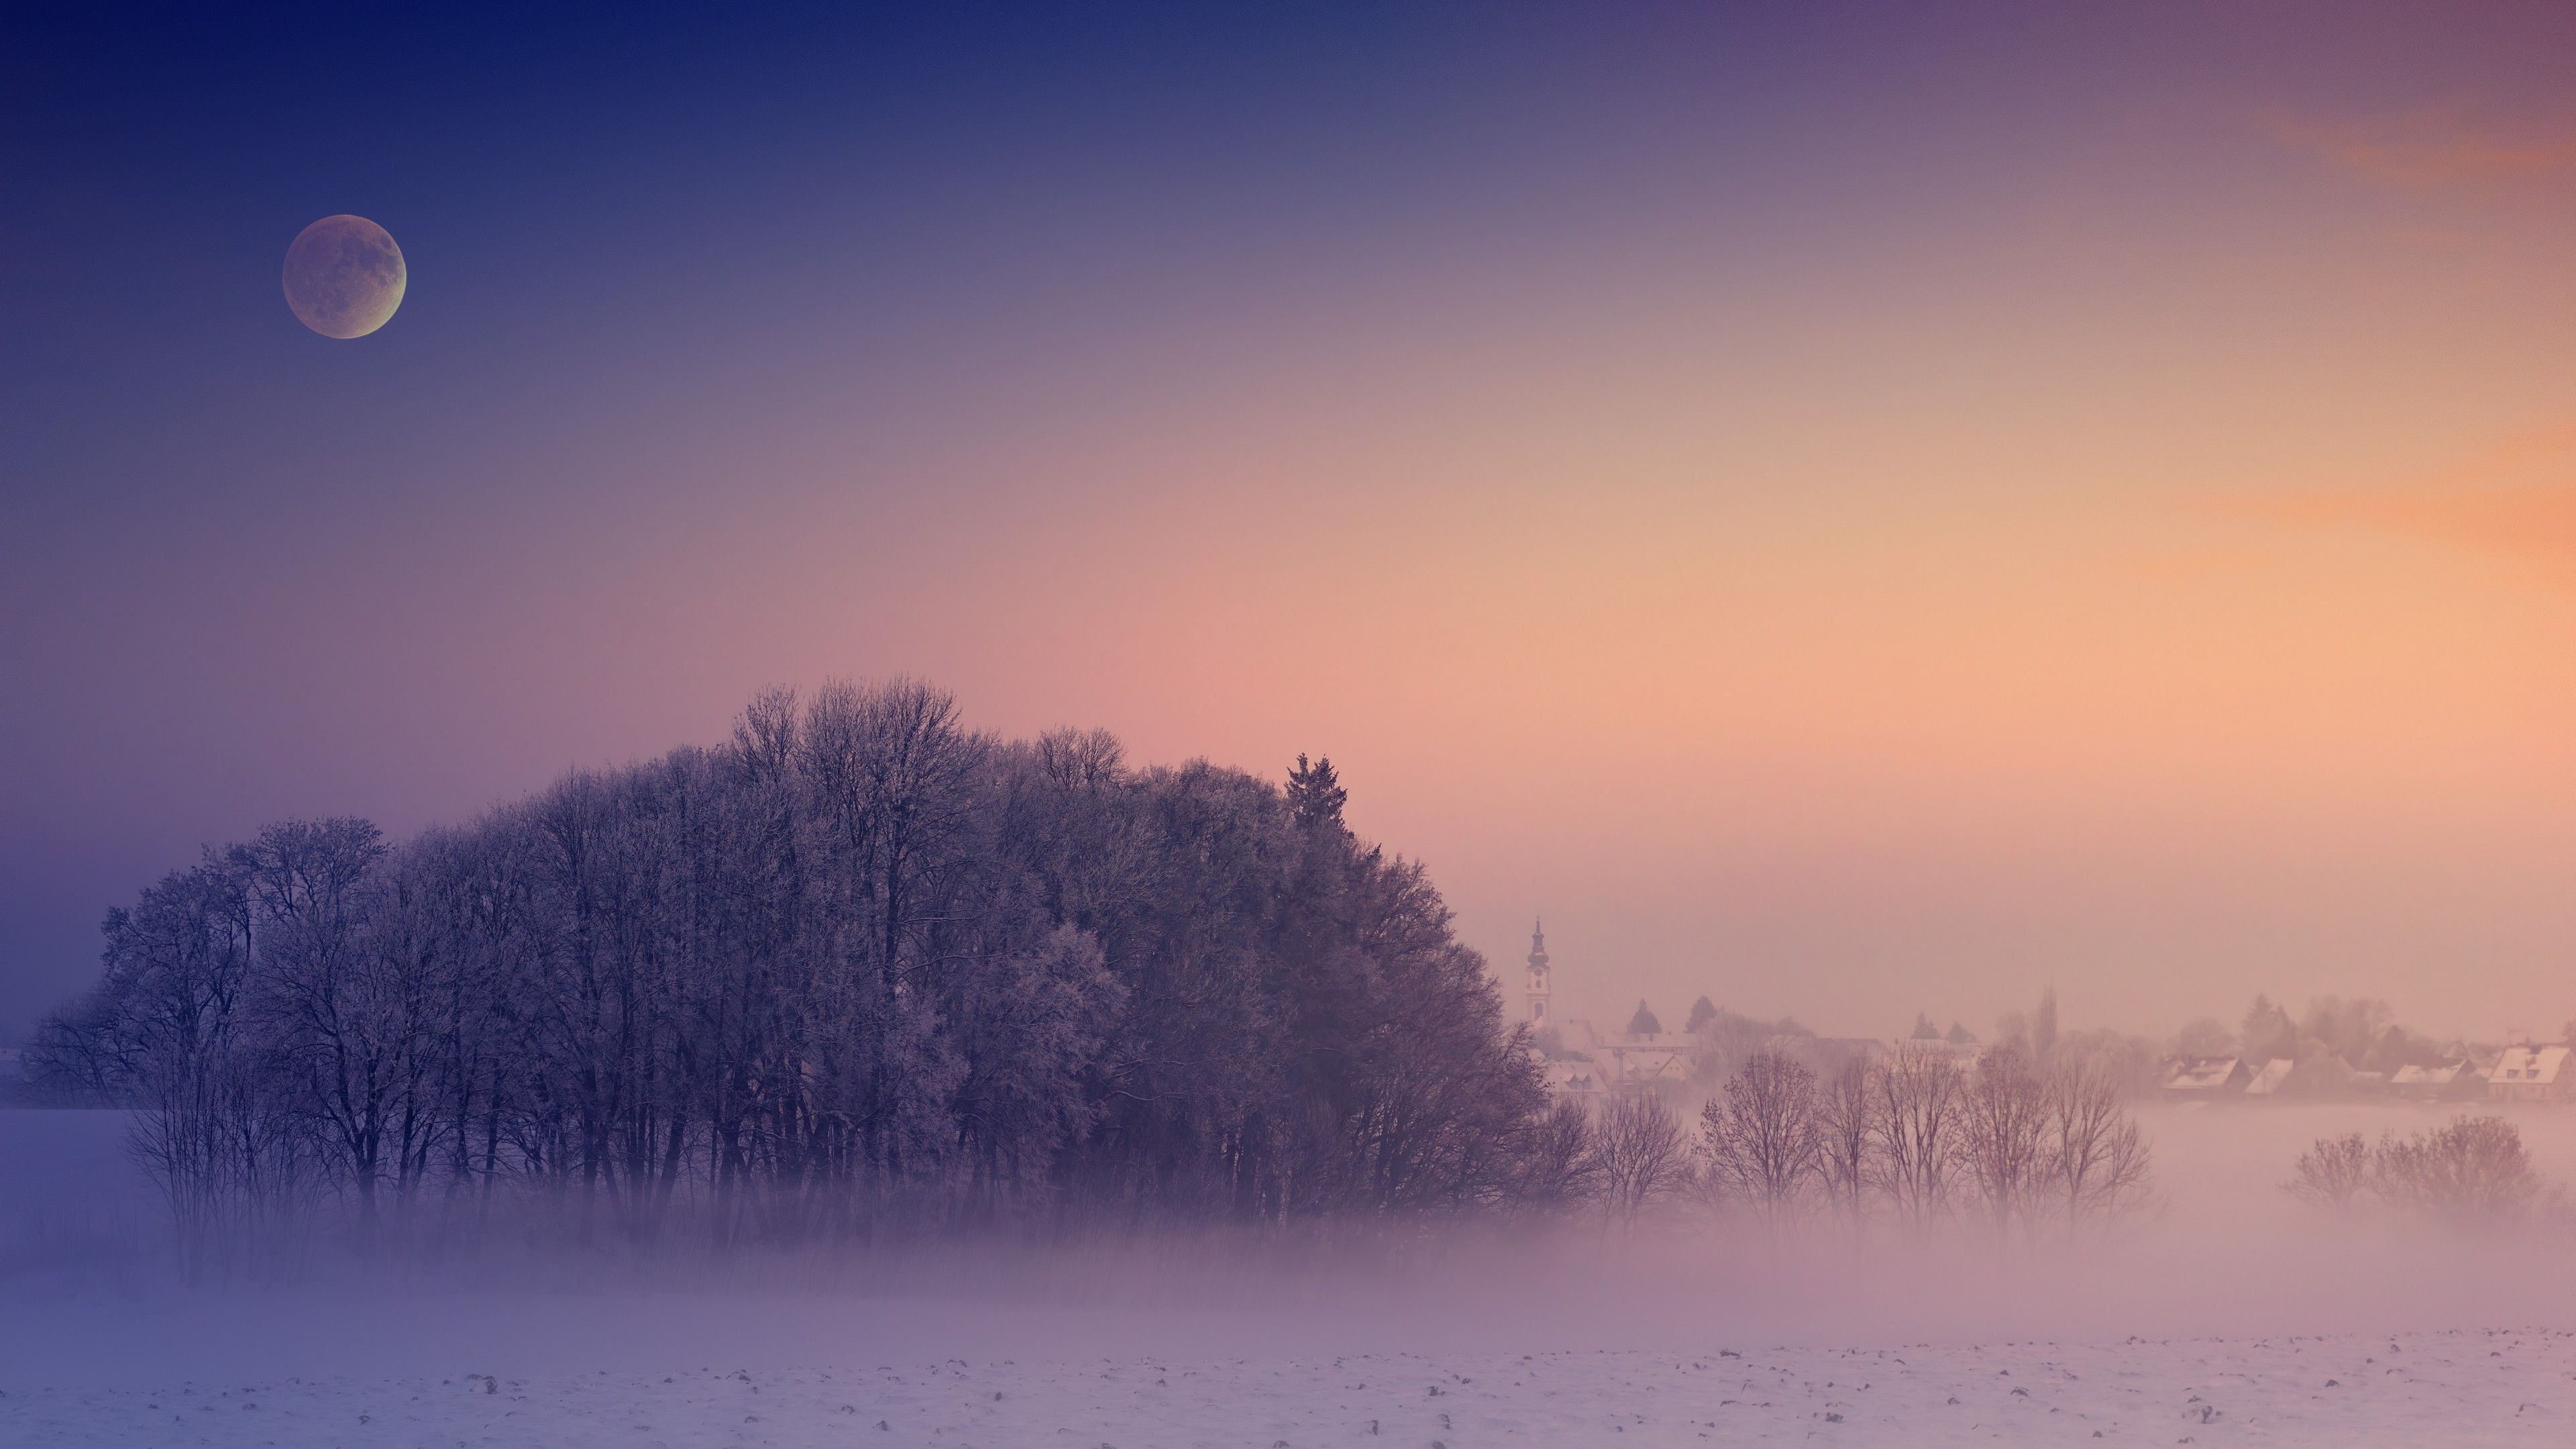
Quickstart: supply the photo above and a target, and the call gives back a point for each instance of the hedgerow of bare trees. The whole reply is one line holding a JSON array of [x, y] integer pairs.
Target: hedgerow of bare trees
[[2472, 1173], [1918, 1140], [860, 967]]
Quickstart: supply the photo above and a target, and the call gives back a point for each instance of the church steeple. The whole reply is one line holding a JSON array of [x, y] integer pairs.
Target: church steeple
[[1538, 985]]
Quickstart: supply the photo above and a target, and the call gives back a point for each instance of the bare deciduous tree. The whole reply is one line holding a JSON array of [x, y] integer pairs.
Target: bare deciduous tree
[[1846, 1106], [2094, 1157], [1917, 1131], [2333, 1174], [1558, 1169], [1762, 1138], [1638, 1155], [2004, 1122]]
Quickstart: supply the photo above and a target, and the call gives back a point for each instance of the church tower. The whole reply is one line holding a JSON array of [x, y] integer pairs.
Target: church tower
[[1538, 989]]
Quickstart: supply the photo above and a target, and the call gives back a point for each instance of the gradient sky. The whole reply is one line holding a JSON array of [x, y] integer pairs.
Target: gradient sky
[[1850, 510]]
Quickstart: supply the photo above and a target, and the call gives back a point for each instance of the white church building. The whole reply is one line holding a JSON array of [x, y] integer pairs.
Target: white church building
[[1579, 1061]]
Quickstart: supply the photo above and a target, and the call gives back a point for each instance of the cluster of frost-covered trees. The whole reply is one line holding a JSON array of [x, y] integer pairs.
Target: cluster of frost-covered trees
[[860, 966], [1915, 1140]]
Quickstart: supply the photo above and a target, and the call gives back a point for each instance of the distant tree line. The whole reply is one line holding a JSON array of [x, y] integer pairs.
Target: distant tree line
[[1914, 1141], [2330, 1041], [2334, 1044], [1722, 1041], [858, 967]]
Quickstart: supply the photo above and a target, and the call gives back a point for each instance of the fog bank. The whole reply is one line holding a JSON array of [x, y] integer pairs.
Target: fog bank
[[2228, 1253]]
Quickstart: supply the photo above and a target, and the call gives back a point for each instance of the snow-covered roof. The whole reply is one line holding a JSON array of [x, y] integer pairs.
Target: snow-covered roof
[[1647, 1066], [2201, 1074], [2441, 1076], [1575, 1076], [2530, 1066], [2274, 1075]]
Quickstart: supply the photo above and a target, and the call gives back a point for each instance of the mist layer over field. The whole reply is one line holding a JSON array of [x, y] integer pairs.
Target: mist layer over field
[[95, 1299]]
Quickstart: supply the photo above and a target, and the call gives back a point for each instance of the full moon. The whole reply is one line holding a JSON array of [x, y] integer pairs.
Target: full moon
[[344, 276]]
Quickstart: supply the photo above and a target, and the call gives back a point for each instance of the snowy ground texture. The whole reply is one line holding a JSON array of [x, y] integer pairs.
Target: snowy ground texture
[[2462, 1388]]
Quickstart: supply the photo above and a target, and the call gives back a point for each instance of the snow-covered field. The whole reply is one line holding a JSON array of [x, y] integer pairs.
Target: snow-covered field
[[2455, 1388], [2233, 1318]]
